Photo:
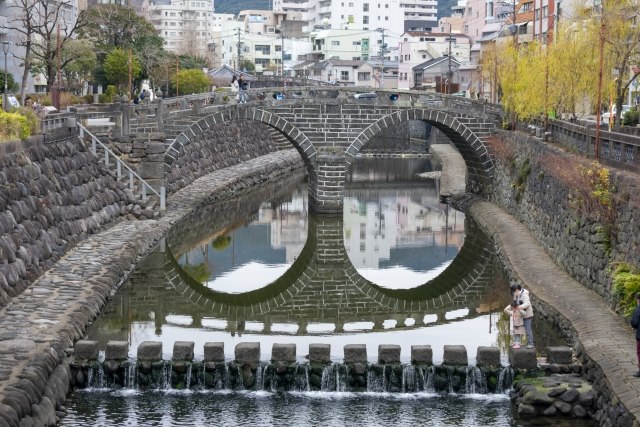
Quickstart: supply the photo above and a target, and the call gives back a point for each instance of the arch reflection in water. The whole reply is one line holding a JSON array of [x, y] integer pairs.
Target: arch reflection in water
[[397, 233]]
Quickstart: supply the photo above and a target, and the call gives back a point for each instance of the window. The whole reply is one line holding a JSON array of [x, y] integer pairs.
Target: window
[[355, 58], [544, 11], [335, 42], [364, 76], [356, 43], [525, 8], [365, 7], [278, 48], [344, 75], [365, 19], [386, 6], [350, 4], [386, 18], [263, 49]]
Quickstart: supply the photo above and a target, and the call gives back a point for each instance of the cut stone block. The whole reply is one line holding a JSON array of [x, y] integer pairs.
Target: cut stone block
[[248, 352], [355, 353], [283, 353], [523, 358], [421, 355], [117, 350], [320, 353], [560, 355], [86, 350], [389, 354], [455, 355], [150, 351], [214, 352], [488, 356], [183, 350]]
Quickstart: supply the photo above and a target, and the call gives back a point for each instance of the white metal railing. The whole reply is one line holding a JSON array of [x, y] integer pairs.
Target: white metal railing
[[108, 155]]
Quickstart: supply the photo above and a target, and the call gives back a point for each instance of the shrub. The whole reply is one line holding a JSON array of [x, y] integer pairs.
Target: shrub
[[33, 121], [631, 118], [13, 126], [626, 283], [108, 95]]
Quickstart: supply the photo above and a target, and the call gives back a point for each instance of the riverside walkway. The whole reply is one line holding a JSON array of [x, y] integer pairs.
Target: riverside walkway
[[598, 332]]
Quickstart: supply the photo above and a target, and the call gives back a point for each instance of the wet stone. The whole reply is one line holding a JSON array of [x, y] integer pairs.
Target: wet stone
[[283, 353], [86, 350], [455, 355], [150, 351], [320, 353], [570, 396], [116, 350], [355, 353], [214, 352]]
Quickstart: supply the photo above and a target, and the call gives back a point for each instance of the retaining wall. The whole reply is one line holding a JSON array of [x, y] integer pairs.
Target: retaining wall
[[543, 204], [53, 192]]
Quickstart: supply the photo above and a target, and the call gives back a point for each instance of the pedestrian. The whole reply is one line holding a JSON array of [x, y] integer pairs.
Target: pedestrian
[[242, 84], [635, 323], [521, 296], [514, 311], [235, 86]]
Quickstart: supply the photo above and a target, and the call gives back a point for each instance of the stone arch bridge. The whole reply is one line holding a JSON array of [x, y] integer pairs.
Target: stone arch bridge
[[328, 127]]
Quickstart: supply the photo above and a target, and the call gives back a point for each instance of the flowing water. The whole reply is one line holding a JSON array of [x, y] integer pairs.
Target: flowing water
[[398, 268]]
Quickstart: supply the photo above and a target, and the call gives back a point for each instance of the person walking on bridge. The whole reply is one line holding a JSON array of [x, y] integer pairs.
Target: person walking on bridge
[[635, 324], [524, 301]]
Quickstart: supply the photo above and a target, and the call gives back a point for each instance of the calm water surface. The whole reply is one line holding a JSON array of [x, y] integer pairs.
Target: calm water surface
[[260, 268]]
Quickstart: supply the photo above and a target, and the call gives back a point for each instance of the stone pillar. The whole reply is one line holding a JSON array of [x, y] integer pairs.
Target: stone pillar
[[152, 165], [326, 191]]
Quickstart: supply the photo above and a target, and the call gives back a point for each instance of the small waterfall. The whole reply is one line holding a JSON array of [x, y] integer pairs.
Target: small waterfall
[[131, 376], [167, 368], [409, 377], [201, 385], [505, 380], [187, 381], [476, 383], [327, 382], [226, 381], [427, 382], [301, 382], [342, 381], [377, 383], [240, 381], [449, 381], [95, 377]]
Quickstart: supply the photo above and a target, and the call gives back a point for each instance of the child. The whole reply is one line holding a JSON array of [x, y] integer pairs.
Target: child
[[518, 323]]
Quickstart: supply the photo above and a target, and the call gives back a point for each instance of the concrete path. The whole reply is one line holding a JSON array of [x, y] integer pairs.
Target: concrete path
[[454, 170], [606, 338], [38, 325]]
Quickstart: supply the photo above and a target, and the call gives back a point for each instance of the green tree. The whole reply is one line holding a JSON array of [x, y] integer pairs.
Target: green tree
[[247, 65], [79, 71], [12, 86], [111, 25], [116, 68], [193, 62], [190, 81]]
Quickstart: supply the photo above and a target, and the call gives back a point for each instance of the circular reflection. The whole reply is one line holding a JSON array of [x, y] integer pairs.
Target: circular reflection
[[252, 247], [396, 232]]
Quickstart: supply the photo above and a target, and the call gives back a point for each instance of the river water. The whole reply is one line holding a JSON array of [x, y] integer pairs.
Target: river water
[[398, 268]]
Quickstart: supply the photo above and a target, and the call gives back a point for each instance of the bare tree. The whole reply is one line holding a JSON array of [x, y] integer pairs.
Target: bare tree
[[55, 28], [21, 24]]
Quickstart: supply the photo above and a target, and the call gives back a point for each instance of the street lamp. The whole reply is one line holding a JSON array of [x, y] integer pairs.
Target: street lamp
[[5, 49]]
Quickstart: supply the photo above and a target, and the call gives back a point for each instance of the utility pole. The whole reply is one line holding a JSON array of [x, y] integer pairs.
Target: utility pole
[[450, 75], [177, 79], [239, 48], [383, 48], [56, 101], [130, 90], [600, 72]]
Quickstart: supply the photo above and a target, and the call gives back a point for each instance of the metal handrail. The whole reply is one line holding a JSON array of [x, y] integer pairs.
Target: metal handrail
[[120, 164]]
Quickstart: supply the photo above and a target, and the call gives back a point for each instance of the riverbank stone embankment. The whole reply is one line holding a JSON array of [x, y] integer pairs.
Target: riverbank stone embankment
[[52, 195], [37, 326]]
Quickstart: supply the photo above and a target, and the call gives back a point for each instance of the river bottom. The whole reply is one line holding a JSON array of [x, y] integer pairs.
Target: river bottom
[[187, 408]]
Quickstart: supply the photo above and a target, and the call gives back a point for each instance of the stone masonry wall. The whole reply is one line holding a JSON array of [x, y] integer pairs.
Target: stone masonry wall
[[226, 145], [51, 196], [542, 203]]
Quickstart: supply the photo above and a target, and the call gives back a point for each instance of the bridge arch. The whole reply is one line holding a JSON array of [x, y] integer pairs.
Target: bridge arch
[[479, 164], [199, 130]]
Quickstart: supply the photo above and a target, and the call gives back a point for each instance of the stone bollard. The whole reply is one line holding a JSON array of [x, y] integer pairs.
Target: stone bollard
[[523, 358], [355, 353], [149, 351], [117, 350], [455, 355], [320, 353], [421, 355], [214, 352], [283, 353], [248, 353], [85, 350], [488, 357], [389, 354], [183, 351], [560, 355]]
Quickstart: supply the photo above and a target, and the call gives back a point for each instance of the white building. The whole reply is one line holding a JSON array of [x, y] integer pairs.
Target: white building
[[185, 25], [419, 47]]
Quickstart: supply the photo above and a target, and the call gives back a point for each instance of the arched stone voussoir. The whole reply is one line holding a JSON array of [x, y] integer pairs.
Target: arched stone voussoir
[[197, 131]]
